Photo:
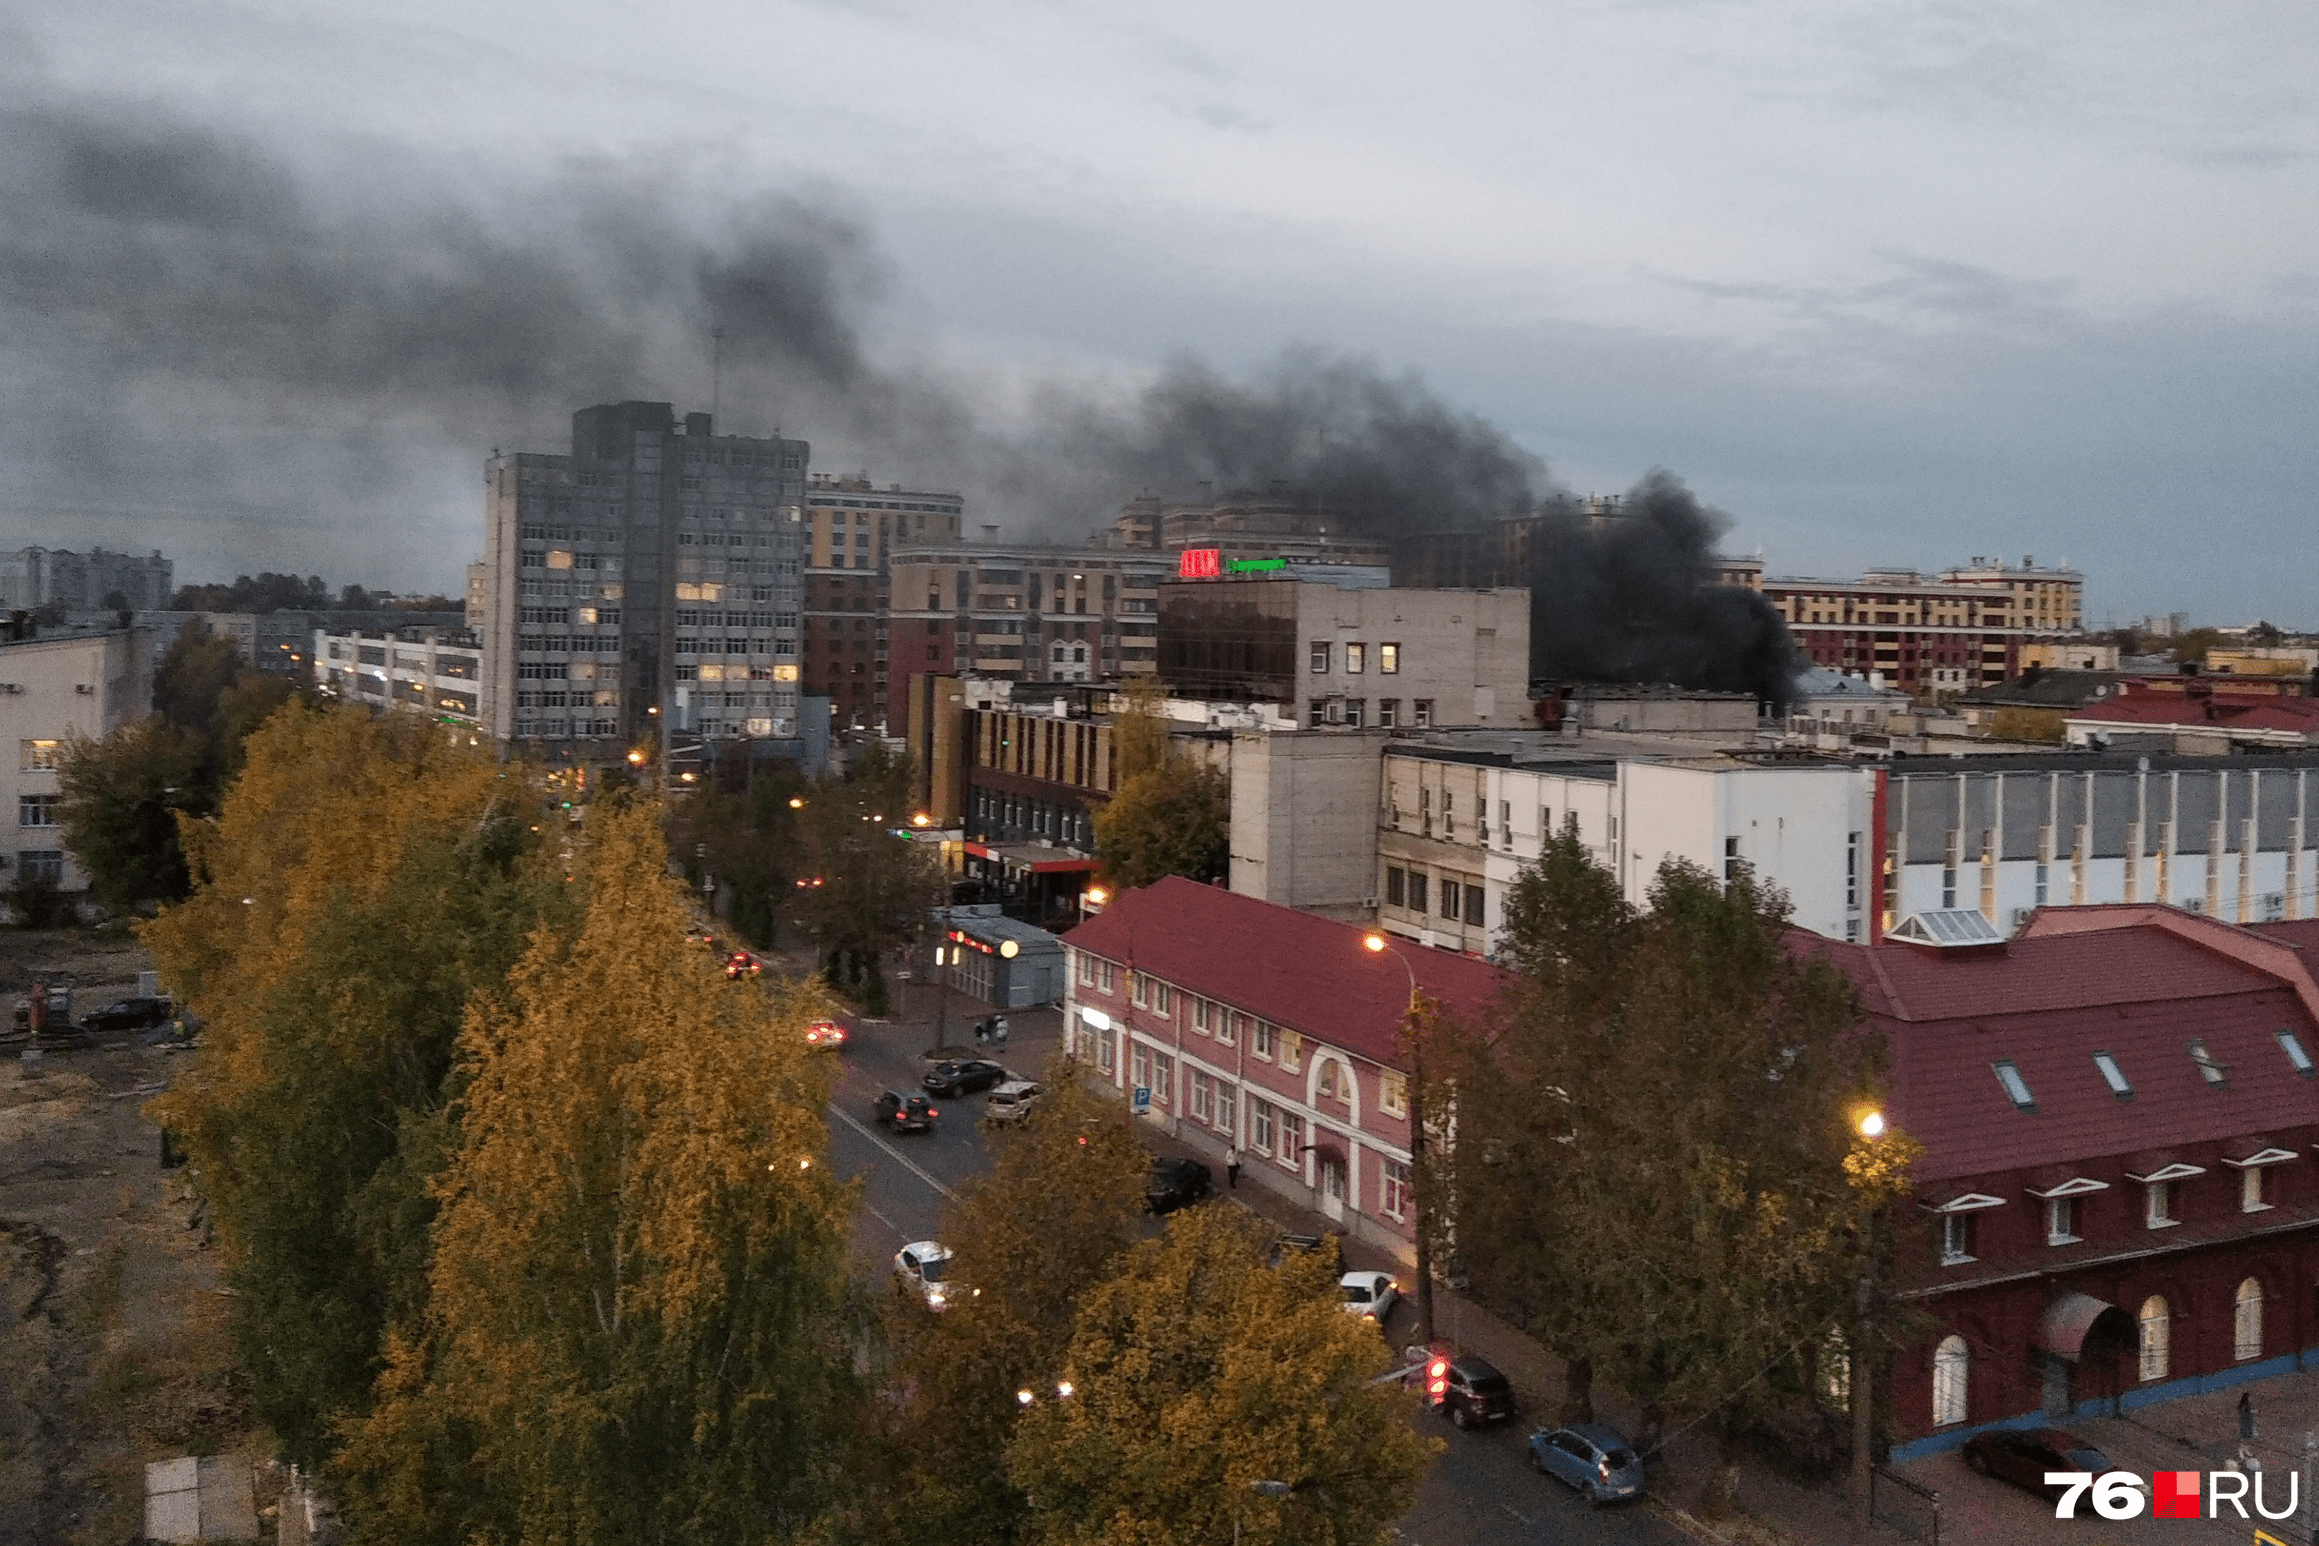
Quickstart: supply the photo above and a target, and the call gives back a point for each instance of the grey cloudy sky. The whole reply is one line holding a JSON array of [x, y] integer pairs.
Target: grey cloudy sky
[[1887, 283]]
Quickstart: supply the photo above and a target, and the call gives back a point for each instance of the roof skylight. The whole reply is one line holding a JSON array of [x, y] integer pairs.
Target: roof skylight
[[2214, 1073], [2016, 1087], [2292, 1045], [2113, 1076]]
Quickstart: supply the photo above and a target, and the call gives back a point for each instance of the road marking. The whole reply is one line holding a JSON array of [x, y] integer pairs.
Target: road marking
[[1517, 1513], [902, 1159], [881, 1218]]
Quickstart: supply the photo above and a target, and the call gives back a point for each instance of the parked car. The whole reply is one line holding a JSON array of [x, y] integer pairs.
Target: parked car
[[1595, 1460], [127, 1014], [924, 1265], [1475, 1392], [1370, 1295], [906, 1113], [1011, 1101], [742, 964], [59, 1009], [1177, 1183], [962, 1076], [827, 1034], [2022, 1456]]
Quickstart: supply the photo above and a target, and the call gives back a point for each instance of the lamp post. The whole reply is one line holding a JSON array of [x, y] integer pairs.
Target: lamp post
[[1419, 1188], [1858, 1381]]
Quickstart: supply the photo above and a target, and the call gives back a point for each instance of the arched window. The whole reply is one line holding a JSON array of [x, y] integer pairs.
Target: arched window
[[2157, 1339], [1950, 1363], [2247, 1324]]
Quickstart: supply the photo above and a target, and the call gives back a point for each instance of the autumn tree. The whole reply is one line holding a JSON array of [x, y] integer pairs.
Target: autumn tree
[[1171, 813], [1197, 1371], [741, 830], [363, 881], [1672, 1108], [634, 1327], [1061, 1204], [865, 889]]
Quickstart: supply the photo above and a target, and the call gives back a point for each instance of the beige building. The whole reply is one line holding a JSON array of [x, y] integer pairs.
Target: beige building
[[1925, 635], [1323, 656], [53, 689], [1302, 833], [852, 528], [433, 671]]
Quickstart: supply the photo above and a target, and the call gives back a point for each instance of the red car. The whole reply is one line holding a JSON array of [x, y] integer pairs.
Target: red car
[[825, 1034], [2022, 1456]]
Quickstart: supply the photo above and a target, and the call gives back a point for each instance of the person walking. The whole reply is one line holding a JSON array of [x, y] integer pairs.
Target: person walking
[[1232, 1171]]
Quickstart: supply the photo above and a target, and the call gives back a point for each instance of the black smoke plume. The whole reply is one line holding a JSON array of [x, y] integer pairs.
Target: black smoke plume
[[1632, 595], [255, 365]]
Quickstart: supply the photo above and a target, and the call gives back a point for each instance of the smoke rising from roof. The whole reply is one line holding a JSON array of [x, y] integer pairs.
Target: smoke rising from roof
[[208, 350]]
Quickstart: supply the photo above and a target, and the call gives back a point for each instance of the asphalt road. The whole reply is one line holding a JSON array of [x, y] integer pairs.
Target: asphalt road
[[1482, 1490]]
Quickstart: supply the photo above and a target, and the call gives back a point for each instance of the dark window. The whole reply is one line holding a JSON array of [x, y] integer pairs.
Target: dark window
[[1417, 884], [1394, 886]]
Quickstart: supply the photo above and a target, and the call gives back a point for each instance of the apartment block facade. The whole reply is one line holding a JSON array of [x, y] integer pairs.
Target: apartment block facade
[[54, 688], [851, 529], [654, 570], [85, 582], [436, 672], [1960, 630]]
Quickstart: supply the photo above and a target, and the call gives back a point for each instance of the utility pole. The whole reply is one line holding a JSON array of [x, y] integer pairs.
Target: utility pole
[[1421, 1188], [1863, 1401]]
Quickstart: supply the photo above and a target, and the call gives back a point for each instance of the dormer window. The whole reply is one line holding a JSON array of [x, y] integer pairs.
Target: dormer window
[[1956, 1239], [2158, 1205], [2061, 1221]]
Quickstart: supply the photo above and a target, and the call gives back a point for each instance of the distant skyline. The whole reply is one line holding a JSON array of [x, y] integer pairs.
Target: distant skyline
[[1895, 285]]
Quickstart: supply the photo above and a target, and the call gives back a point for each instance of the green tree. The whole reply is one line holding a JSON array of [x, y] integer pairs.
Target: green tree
[[864, 889], [1171, 813], [1672, 1106], [1062, 1202], [742, 830], [121, 800], [635, 1325], [364, 880], [2190, 648], [2019, 724], [1197, 1371]]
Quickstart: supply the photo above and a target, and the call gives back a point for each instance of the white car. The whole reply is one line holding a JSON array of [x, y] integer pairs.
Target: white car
[[1011, 1101], [1370, 1295], [924, 1266]]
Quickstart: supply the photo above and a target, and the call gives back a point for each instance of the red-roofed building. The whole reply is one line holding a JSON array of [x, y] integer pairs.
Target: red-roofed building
[[2198, 709], [2118, 1200], [1267, 1035]]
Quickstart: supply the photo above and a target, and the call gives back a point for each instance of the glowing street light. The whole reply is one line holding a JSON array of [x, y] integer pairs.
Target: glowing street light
[[1872, 1125]]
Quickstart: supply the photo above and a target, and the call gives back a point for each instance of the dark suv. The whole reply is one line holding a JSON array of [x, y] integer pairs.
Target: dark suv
[[128, 1014], [906, 1113], [1476, 1393], [963, 1077], [1177, 1183]]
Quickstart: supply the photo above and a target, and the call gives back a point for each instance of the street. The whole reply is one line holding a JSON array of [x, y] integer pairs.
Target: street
[[1482, 1488]]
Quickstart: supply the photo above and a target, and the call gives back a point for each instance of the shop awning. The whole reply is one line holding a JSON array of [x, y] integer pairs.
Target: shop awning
[[1032, 859]]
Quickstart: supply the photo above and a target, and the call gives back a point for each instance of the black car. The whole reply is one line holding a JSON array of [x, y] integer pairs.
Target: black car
[[128, 1014], [906, 1113], [2023, 1456], [963, 1077], [1475, 1392], [1177, 1183]]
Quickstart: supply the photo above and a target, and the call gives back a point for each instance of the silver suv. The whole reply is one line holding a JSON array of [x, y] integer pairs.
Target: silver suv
[[1011, 1101]]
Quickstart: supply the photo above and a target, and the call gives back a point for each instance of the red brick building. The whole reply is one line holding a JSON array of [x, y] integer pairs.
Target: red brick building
[[1267, 1034], [2117, 1202]]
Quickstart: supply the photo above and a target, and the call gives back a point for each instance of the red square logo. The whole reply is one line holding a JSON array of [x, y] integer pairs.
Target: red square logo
[[2174, 1495]]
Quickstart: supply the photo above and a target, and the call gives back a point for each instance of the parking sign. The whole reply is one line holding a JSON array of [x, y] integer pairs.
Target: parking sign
[[1143, 1100]]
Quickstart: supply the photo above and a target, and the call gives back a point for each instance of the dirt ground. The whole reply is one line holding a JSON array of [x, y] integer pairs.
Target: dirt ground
[[114, 1340]]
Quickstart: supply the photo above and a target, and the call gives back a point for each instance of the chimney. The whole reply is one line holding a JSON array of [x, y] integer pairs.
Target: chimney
[[699, 424], [990, 534]]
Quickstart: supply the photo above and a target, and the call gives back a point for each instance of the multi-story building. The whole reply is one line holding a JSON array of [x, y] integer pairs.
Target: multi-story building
[[651, 572], [54, 688], [1961, 630], [163, 627], [1325, 655], [851, 529], [1206, 1003], [478, 608], [433, 671], [88, 582], [1025, 613], [2114, 1204], [1274, 528]]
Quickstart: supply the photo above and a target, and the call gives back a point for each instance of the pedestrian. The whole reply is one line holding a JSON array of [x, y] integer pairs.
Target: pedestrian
[[998, 1032], [2246, 1415], [982, 1033], [1232, 1172]]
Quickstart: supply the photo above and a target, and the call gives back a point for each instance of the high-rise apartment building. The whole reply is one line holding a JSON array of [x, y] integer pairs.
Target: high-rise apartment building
[[851, 528], [1962, 630], [652, 571], [85, 582]]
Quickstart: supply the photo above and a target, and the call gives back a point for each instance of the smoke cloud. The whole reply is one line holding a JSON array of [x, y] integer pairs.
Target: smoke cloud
[[252, 366]]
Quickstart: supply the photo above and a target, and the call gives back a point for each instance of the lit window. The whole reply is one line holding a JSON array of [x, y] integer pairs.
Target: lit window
[[1389, 658], [2215, 1074], [2250, 1190], [2292, 1045], [1356, 658], [2016, 1087], [2156, 1338], [2113, 1077], [1951, 1364]]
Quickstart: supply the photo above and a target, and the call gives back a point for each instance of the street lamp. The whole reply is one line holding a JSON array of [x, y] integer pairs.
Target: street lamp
[[1419, 1190], [1870, 1125]]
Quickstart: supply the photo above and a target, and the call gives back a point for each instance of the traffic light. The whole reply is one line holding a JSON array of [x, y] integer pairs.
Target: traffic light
[[1436, 1380]]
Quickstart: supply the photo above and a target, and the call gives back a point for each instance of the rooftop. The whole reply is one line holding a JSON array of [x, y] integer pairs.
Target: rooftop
[[1306, 973]]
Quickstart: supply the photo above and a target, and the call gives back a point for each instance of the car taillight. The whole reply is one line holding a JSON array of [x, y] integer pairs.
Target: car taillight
[[1437, 1380], [1602, 1469], [930, 1111]]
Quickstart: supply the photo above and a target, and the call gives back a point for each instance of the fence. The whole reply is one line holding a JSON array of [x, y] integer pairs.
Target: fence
[[1913, 1510]]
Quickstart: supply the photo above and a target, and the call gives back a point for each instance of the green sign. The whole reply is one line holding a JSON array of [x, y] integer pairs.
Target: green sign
[[1255, 565]]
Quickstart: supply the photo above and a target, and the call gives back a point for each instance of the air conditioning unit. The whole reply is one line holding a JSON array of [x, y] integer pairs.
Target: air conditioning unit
[[2021, 915], [1369, 902]]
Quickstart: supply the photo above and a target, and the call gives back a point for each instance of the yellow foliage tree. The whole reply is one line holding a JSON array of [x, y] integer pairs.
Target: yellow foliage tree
[[634, 1326], [1197, 1372]]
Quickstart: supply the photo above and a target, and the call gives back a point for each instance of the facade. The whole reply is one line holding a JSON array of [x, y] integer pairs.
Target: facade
[[438, 672], [2197, 714], [1021, 613], [162, 628], [651, 572], [1844, 702], [1926, 635], [1000, 960], [2117, 1201], [478, 608], [1301, 835], [1206, 1000], [1326, 656], [85, 582], [55, 688], [1251, 527], [851, 529], [1456, 826]]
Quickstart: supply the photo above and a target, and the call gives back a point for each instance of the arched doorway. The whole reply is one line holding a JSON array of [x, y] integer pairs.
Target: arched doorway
[[1335, 1180], [2088, 1346]]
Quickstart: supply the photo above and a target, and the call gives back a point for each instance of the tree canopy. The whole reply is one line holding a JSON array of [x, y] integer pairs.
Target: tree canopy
[[864, 890], [1171, 813]]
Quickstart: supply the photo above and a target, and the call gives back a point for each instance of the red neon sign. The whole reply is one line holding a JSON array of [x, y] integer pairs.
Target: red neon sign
[[1200, 564]]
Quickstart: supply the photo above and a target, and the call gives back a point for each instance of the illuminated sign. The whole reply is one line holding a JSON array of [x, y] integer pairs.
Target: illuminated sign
[[1200, 564], [1256, 565]]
